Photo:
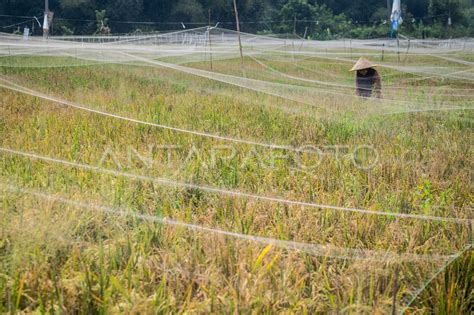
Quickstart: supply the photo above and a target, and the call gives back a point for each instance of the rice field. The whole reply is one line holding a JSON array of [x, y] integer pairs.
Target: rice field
[[155, 174]]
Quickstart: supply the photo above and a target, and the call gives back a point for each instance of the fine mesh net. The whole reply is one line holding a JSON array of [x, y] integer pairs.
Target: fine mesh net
[[349, 253]]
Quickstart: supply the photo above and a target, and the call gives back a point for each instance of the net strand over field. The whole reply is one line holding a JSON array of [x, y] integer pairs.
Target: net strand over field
[[234, 193], [306, 95], [293, 92], [436, 274], [328, 251], [21, 89]]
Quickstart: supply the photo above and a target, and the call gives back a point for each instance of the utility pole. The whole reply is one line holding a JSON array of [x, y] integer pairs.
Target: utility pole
[[45, 19], [238, 34], [294, 25], [389, 10]]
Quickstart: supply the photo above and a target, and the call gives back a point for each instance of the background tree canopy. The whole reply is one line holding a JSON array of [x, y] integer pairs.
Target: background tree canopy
[[321, 19]]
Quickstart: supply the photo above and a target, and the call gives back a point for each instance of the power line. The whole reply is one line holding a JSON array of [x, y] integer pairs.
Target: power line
[[18, 16], [18, 24], [225, 22]]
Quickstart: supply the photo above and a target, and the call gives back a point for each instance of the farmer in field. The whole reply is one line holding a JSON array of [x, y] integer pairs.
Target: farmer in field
[[367, 79]]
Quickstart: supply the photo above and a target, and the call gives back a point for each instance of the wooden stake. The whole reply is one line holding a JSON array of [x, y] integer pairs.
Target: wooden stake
[[471, 240], [398, 47], [394, 292], [383, 50], [350, 46], [293, 49], [408, 48], [238, 34], [209, 38], [304, 37], [294, 25]]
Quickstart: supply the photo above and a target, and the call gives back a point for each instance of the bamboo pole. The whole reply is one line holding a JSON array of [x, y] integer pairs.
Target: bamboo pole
[[394, 292], [350, 46], [304, 37], [209, 38], [398, 47], [238, 34], [408, 49], [45, 19]]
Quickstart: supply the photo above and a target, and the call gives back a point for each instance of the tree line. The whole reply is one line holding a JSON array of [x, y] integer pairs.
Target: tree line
[[315, 19]]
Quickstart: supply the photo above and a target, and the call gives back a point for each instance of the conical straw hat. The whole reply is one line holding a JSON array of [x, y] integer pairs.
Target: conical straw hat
[[362, 63]]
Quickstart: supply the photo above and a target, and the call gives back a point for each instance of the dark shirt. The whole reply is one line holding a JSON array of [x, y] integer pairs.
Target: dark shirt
[[367, 83]]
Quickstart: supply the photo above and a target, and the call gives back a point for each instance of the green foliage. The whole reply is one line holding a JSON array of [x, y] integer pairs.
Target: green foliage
[[72, 4], [101, 20], [443, 9], [323, 19], [188, 10], [319, 21], [66, 30]]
